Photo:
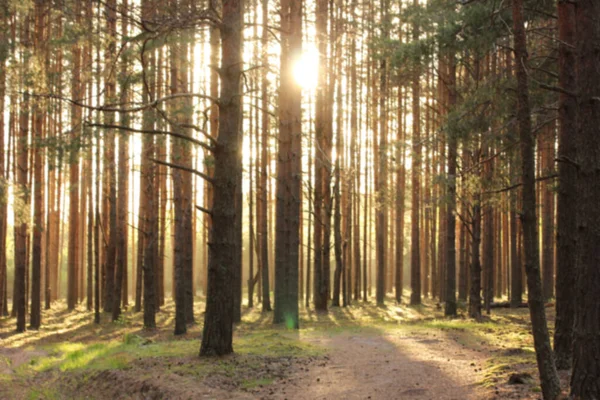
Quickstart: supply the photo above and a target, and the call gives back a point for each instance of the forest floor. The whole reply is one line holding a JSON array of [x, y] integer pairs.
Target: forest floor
[[357, 352]]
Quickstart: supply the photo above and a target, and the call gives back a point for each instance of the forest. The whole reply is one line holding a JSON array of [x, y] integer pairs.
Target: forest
[[300, 199]]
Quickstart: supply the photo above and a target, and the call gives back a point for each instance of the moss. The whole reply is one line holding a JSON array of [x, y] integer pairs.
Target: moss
[[275, 343]]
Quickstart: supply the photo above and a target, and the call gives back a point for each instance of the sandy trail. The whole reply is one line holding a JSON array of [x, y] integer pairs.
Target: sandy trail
[[376, 366]]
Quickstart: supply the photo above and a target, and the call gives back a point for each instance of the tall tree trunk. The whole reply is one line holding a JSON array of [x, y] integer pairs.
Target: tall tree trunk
[[264, 163], [450, 309], [322, 190], [4, 38], [415, 260], [182, 181], [110, 180], [21, 165], [218, 318], [381, 226], [38, 177], [148, 226], [488, 236], [548, 376], [123, 183], [400, 197], [288, 170], [566, 213], [586, 342], [76, 94], [355, 160]]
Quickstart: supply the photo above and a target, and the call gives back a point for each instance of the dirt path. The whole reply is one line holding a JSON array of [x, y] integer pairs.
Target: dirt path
[[375, 366]]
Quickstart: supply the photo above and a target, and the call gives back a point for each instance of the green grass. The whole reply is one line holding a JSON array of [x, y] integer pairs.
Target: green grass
[[275, 343], [120, 354], [254, 383], [43, 394]]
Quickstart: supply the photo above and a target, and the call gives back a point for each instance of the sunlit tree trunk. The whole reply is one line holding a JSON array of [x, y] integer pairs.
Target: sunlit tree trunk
[[182, 180], [21, 165], [415, 261], [148, 221], [400, 197], [381, 226], [38, 174], [123, 184], [73, 248], [4, 38], [336, 80], [110, 181], [288, 170], [263, 228], [322, 190]]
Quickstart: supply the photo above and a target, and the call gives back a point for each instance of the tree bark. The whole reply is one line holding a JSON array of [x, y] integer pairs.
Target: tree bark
[[548, 375], [585, 383], [288, 170], [73, 248], [20, 229], [415, 260], [123, 185], [38, 177], [218, 318], [322, 191], [566, 213], [450, 308], [264, 163]]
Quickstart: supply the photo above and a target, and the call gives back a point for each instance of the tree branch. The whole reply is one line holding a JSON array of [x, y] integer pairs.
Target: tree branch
[[184, 168], [152, 132]]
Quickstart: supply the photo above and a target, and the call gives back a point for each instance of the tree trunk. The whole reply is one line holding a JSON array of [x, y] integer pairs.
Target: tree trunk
[[488, 237], [73, 249], [450, 309], [475, 289], [415, 260], [548, 376], [322, 191], [264, 165], [218, 318], [586, 342], [110, 180], [566, 229], [288, 170], [38, 177], [547, 139], [4, 29], [20, 229], [381, 226], [123, 186]]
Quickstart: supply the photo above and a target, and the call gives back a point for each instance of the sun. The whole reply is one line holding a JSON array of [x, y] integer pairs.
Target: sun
[[306, 69]]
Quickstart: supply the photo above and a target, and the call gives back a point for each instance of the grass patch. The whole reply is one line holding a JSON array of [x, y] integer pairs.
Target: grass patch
[[275, 343], [43, 394], [110, 355], [254, 383], [497, 369]]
